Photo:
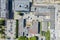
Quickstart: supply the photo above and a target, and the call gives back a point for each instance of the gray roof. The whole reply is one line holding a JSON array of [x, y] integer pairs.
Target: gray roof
[[21, 5], [3, 8]]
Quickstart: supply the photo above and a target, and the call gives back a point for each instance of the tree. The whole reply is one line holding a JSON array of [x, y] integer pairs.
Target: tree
[[34, 38], [22, 38]]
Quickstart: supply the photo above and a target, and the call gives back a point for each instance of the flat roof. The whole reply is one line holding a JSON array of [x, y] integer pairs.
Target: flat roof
[[22, 5]]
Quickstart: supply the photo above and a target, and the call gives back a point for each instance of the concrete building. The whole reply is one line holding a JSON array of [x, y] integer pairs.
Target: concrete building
[[46, 10], [21, 5], [40, 10], [3, 10], [36, 2], [57, 23], [10, 29]]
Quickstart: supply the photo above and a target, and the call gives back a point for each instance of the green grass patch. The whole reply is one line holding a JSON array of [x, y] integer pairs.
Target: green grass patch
[[40, 27], [2, 36], [25, 38], [46, 34], [33, 38], [2, 22], [28, 38], [48, 23], [43, 33], [22, 38]]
